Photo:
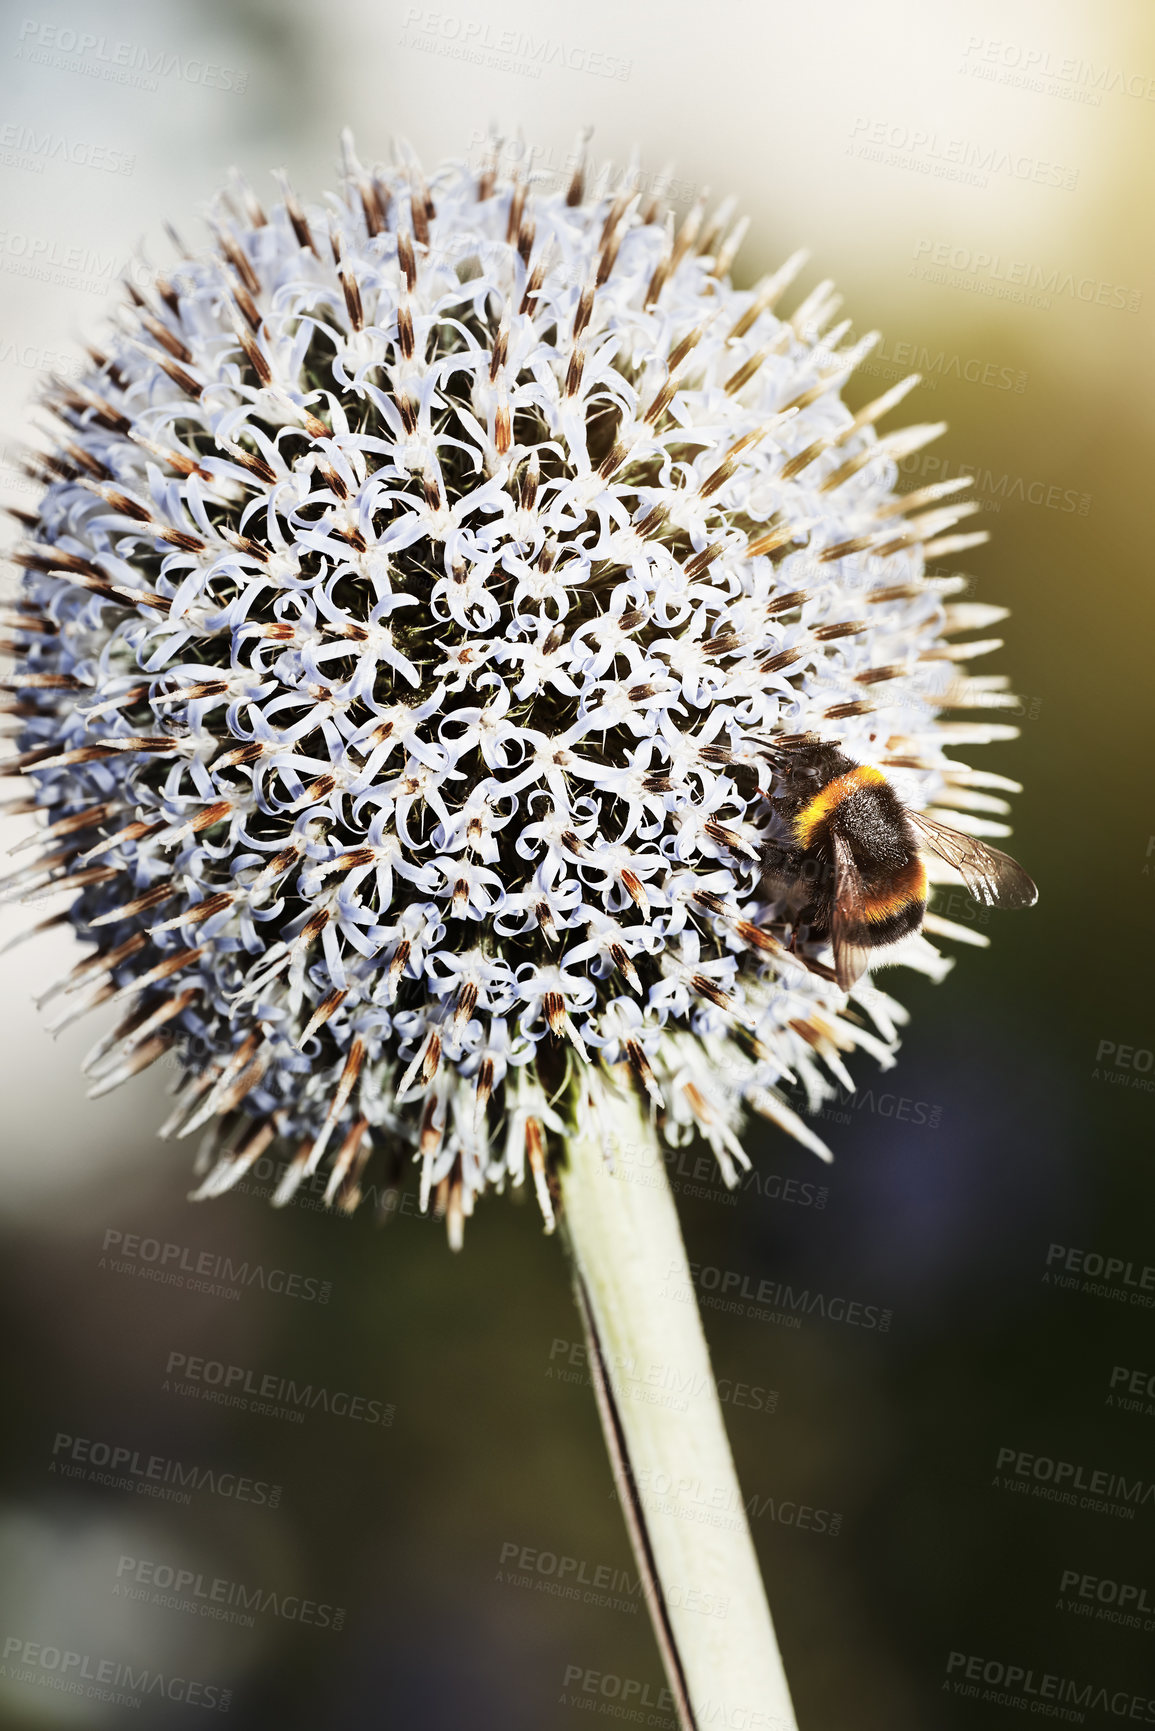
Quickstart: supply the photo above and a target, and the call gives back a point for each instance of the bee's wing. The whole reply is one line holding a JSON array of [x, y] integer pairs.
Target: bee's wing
[[991, 877], [848, 915]]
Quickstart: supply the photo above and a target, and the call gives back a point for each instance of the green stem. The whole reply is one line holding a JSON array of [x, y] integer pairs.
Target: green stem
[[672, 1461]]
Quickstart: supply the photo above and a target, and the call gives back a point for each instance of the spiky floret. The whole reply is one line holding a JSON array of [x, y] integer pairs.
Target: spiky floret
[[416, 580]]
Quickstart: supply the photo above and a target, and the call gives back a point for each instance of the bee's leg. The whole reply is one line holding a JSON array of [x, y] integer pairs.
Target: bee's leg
[[796, 876], [781, 862]]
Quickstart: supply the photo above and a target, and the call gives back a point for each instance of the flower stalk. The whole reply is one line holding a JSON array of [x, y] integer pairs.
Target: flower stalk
[[671, 1462]]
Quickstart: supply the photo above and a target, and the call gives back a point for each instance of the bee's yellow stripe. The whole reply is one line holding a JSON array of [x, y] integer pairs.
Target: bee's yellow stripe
[[909, 886], [824, 803]]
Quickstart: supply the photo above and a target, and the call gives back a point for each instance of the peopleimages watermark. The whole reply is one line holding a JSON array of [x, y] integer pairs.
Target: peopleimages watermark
[[121, 1467], [1124, 1066], [891, 359], [68, 264], [656, 1384], [923, 150], [1070, 77], [38, 359], [128, 63], [384, 1200], [1018, 280], [1132, 1391], [1047, 1694], [23, 147], [696, 1174], [995, 491], [836, 1109], [266, 1393], [689, 1498], [1089, 1271], [574, 1578], [173, 1587], [116, 1682], [15, 480], [691, 1171], [616, 1697], [211, 1272], [767, 1300], [474, 40], [1121, 1603], [1092, 1489], [613, 1696]]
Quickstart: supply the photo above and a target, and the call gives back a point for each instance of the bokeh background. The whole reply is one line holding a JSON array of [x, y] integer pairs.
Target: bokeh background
[[978, 179]]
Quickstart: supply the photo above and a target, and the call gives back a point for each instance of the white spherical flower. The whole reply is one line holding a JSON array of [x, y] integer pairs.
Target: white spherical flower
[[420, 583]]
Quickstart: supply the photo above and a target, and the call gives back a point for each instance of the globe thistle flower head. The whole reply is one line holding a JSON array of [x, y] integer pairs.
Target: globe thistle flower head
[[418, 583]]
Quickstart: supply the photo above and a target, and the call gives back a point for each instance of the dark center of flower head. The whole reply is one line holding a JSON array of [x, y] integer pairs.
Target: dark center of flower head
[[415, 583]]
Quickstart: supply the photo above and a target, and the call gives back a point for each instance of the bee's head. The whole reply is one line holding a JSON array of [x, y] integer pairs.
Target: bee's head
[[805, 758]]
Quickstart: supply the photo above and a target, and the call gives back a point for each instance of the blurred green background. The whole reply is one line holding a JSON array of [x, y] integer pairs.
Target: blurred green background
[[938, 162]]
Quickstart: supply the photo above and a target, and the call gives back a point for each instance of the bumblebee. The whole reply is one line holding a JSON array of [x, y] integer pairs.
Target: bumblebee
[[849, 867]]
